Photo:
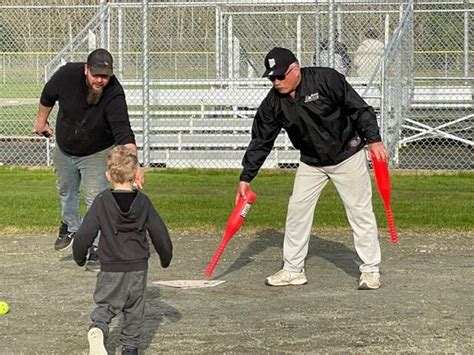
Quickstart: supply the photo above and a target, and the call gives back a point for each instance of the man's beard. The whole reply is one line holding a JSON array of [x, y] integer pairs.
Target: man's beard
[[93, 96]]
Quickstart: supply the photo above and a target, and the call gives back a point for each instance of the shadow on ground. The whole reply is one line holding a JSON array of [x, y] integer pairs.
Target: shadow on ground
[[334, 252]]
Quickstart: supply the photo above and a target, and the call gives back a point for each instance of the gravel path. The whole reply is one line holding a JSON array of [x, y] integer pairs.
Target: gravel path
[[425, 304]]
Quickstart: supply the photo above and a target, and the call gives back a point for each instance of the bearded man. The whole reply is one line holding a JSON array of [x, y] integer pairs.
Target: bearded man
[[92, 118]]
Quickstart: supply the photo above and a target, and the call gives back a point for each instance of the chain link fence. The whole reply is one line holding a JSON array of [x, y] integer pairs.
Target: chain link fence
[[192, 72]]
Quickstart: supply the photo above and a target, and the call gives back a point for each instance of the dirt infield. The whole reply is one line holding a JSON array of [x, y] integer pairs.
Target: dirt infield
[[425, 304]]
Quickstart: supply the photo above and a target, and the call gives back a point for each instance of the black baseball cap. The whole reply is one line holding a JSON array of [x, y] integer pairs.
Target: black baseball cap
[[100, 62], [277, 61]]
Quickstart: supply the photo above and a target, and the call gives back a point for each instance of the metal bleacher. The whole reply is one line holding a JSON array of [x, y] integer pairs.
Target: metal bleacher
[[196, 126], [206, 127], [210, 128], [429, 108]]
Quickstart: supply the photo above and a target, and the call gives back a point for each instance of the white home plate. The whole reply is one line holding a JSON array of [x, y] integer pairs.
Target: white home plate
[[189, 283]]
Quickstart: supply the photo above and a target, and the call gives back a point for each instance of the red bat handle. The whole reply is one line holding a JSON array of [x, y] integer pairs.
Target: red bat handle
[[217, 255], [391, 226], [234, 222]]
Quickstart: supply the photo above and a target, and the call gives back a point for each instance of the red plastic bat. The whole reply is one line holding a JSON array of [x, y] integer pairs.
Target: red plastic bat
[[382, 177], [235, 221]]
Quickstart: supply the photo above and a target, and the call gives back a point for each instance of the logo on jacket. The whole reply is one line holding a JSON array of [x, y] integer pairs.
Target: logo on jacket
[[355, 141], [312, 97]]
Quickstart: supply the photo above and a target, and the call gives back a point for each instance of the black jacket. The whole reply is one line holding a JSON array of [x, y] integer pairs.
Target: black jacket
[[83, 129], [327, 122], [123, 245]]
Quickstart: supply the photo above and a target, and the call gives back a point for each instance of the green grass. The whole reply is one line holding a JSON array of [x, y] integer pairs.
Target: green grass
[[203, 199], [18, 89], [17, 120]]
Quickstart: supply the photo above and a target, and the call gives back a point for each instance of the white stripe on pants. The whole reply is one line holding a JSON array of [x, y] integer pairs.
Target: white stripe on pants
[[352, 181]]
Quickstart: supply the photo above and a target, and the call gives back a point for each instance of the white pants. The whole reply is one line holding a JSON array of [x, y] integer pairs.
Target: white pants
[[352, 181]]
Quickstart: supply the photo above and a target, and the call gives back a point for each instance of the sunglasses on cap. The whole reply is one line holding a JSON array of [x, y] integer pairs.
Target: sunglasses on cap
[[280, 77]]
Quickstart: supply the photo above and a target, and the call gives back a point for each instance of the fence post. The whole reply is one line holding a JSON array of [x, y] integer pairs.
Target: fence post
[[103, 3], [331, 34], [236, 57], [4, 74], [120, 41], [230, 46], [466, 39], [218, 42], [317, 34], [298, 38], [145, 89]]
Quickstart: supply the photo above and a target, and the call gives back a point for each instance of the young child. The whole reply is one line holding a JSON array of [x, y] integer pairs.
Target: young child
[[123, 216]]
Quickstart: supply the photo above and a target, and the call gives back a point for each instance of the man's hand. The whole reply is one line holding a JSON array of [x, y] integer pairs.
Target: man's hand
[[241, 190], [379, 150], [139, 178], [42, 128], [41, 125]]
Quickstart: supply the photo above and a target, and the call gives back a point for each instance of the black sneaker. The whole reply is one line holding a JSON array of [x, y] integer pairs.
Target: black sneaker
[[93, 263], [64, 237], [129, 351]]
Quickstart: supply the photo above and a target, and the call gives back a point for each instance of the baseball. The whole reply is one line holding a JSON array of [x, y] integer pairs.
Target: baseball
[[4, 307]]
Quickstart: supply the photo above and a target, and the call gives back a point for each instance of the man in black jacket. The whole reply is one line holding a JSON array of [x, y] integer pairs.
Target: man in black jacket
[[92, 117], [329, 123], [124, 217]]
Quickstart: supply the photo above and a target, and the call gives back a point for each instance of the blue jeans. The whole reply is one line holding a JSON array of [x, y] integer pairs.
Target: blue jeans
[[70, 171]]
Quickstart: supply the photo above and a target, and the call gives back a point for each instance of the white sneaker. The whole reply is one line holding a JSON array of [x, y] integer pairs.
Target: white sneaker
[[285, 278], [369, 281], [96, 342]]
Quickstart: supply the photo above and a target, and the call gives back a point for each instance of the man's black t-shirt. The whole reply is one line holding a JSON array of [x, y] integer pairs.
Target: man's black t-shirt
[[83, 129]]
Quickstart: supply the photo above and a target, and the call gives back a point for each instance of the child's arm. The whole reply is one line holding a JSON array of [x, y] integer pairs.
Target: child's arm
[[86, 234], [159, 237]]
